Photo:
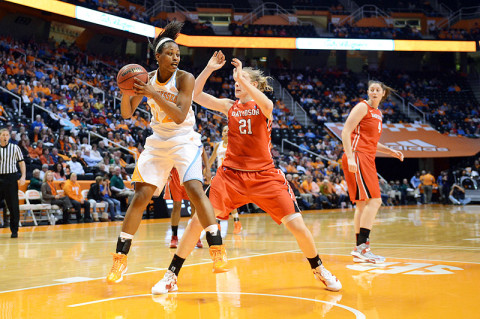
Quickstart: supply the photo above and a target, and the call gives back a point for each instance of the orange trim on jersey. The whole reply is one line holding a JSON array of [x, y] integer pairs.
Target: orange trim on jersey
[[136, 177], [164, 83]]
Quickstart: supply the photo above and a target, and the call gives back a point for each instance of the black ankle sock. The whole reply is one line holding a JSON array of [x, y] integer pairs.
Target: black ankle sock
[[315, 261], [363, 236], [123, 245], [176, 264], [174, 230], [218, 221], [236, 219], [214, 239], [356, 237]]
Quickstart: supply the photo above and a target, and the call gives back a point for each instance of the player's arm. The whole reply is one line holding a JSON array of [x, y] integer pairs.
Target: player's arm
[[176, 111], [263, 102], [387, 150], [216, 62], [355, 116], [129, 105], [214, 155]]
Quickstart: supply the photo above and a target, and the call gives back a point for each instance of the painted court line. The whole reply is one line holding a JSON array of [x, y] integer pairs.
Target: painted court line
[[151, 270], [356, 312]]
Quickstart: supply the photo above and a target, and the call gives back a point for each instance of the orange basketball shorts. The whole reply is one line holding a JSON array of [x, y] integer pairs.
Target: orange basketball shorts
[[268, 189], [173, 189], [363, 184]]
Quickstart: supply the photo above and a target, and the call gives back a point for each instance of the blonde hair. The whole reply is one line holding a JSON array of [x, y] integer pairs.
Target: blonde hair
[[388, 90], [258, 76]]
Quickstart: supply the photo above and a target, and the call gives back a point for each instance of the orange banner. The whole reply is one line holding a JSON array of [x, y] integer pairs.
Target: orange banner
[[420, 141]]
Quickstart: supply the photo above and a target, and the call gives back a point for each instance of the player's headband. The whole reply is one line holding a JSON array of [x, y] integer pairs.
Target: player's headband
[[159, 44]]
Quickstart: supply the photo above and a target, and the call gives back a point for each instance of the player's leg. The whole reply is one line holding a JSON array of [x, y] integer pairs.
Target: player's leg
[[175, 220], [143, 194], [295, 224], [362, 252], [190, 238], [193, 211], [237, 225]]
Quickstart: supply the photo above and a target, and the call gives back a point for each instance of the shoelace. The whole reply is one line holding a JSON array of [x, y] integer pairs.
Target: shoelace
[[326, 274], [116, 263]]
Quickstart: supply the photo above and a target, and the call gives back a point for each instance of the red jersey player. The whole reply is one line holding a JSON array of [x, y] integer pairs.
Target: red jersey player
[[247, 173], [360, 137], [176, 192]]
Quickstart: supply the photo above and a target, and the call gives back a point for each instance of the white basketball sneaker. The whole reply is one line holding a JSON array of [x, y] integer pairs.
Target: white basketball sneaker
[[166, 285], [363, 254], [329, 280]]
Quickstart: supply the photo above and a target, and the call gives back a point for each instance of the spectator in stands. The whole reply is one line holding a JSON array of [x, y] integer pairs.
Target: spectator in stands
[[91, 162], [54, 155], [59, 173], [385, 192], [341, 192], [46, 158], [43, 171], [118, 186], [113, 204], [95, 154], [73, 191], [37, 123], [427, 180], [35, 181], [416, 182], [94, 196], [50, 196], [75, 166], [457, 195]]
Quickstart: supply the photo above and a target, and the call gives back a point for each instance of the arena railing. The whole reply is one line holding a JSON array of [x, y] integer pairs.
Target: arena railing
[[93, 88], [113, 143], [16, 96], [416, 110]]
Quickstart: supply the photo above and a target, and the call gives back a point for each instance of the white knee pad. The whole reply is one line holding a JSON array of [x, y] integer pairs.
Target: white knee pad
[[289, 218]]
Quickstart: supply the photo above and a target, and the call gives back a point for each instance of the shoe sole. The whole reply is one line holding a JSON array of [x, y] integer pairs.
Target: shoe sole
[[171, 290], [220, 270], [119, 279], [359, 259], [173, 246]]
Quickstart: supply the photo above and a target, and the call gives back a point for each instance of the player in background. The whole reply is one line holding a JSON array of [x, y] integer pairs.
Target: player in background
[[174, 143], [219, 154], [360, 137], [248, 173], [175, 192]]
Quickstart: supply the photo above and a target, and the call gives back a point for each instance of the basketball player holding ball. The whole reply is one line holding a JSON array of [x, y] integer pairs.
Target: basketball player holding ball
[[174, 143]]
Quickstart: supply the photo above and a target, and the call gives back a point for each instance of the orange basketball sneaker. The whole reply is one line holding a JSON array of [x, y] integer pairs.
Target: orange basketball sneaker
[[119, 268], [237, 227], [219, 257]]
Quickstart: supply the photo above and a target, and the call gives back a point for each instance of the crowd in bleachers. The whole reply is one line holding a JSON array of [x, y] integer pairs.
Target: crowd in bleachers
[[348, 31], [261, 30], [445, 97], [112, 7]]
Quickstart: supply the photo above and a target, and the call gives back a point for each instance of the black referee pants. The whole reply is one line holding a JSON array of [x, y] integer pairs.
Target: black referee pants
[[9, 193]]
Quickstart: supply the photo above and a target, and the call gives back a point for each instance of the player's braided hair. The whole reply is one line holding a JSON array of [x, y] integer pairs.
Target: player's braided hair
[[170, 31]]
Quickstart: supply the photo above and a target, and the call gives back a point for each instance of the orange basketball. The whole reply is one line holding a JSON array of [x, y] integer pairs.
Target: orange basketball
[[126, 77]]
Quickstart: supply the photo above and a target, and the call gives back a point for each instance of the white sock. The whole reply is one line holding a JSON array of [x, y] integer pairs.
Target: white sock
[[212, 229], [125, 235]]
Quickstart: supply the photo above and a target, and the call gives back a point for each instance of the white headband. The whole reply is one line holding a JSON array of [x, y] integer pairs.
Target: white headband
[[162, 42]]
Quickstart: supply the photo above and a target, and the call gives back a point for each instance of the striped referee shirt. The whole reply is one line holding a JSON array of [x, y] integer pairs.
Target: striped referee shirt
[[10, 155]]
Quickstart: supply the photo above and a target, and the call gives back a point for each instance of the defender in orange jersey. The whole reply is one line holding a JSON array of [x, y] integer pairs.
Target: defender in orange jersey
[[360, 137], [248, 173]]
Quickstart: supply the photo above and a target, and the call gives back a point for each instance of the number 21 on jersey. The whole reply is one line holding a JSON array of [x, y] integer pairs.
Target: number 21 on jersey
[[245, 126]]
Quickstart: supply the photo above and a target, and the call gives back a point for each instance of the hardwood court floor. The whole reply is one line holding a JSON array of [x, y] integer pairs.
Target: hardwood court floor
[[432, 270]]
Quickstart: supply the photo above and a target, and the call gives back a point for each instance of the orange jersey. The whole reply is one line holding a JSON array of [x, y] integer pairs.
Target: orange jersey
[[367, 133], [248, 138]]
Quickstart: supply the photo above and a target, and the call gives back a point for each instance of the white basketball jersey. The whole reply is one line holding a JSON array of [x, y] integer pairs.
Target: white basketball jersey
[[221, 150], [161, 123]]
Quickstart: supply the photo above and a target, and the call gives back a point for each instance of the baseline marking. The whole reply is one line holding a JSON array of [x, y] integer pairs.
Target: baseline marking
[[356, 312]]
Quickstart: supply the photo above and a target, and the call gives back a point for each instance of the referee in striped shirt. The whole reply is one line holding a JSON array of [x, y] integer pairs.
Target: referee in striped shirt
[[10, 155]]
